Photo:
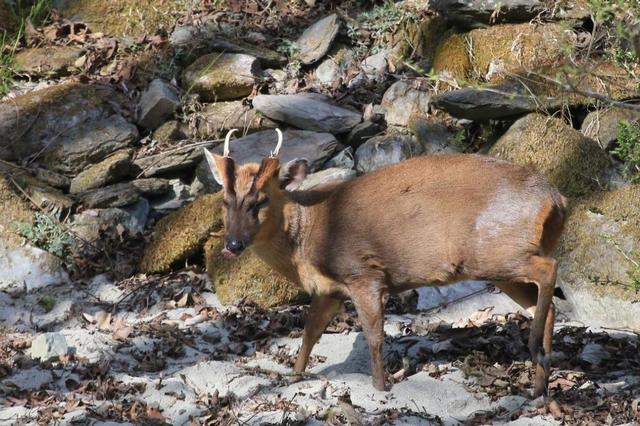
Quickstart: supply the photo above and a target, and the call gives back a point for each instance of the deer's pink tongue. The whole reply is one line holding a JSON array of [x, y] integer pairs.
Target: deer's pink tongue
[[228, 254]]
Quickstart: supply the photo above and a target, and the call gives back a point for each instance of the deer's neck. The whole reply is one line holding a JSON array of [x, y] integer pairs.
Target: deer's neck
[[281, 245]]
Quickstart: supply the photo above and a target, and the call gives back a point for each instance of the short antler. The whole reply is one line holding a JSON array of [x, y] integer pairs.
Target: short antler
[[276, 151], [225, 153]]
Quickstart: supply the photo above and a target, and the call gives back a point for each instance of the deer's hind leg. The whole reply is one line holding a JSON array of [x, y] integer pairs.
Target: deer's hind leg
[[533, 290]]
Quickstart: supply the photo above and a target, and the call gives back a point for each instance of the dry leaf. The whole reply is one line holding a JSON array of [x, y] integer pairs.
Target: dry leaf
[[103, 320], [555, 410], [154, 413]]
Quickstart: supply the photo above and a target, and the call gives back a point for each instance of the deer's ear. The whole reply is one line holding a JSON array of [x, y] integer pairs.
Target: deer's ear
[[222, 168], [295, 171], [269, 168]]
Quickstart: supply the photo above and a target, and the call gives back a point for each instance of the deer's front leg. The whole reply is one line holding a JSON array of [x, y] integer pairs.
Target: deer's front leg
[[321, 312], [367, 298]]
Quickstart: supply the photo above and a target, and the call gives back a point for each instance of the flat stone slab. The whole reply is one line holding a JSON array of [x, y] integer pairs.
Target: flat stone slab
[[316, 40], [307, 112]]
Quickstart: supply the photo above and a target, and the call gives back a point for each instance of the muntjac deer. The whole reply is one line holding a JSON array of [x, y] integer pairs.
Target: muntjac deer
[[431, 220]]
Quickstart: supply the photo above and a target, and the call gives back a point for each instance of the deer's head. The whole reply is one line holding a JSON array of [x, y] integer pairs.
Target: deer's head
[[253, 194]]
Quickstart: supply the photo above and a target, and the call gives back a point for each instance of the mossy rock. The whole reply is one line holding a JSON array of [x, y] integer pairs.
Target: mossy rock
[[416, 39], [517, 46], [247, 278], [14, 210], [109, 170], [600, 242], [572, 162], [51, 60], [182, 233], [452, 57], [125, 18]]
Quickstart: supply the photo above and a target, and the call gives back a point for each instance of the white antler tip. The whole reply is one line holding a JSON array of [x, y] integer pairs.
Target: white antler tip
[[226, 142], [279, 145]]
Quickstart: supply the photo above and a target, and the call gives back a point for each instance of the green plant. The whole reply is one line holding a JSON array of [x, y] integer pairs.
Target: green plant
[[628, 149], [47, 234], [7, 55], [38, 12], [47, 302]]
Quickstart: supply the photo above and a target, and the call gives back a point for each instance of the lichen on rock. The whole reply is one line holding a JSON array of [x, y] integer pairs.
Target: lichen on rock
[[247, 278]]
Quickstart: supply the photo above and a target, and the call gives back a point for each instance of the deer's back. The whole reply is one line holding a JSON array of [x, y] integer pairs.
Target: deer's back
[[434, 220]]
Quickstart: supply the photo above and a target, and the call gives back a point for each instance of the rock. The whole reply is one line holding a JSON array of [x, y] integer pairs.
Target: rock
[[47, 61], [602, 125], [375, 66], [277, 77], [28, 379], [385, 149], [171, 161], [415, 41], [480, 13], [51, 200], [307, 112], [363, 131], [118, 195], [246, 277], [151, 187], [33, 122], [53, 179], [315, 147], [157, 104], [95, 346], [218, 118], [207, 37], [170, 131], [572, 162], [326, 176], [403, 102], [110, 170], [89, 143], [316, 40], [26, 268], [178, 195], [182, 233], [601, 235], [48, 346], [344, 159], [535, 46], [328, 72], [123, 19], [89, 224], [221, 76], [206, 179], [434, 136]]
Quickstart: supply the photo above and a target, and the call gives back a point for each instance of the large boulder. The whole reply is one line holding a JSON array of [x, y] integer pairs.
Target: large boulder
[[39, 120], [247, 278], [316, 40], [221, 76], [182, 233], [572, 162], [308, 112], [173, 160], [599, 259], [89, 143], [157, 104]]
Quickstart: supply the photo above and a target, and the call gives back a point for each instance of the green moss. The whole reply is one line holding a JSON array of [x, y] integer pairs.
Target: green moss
[[182, 233], [417, 39], [124, 17], [573, 163], [247, 278], [517, 46], [452, 57], [105, 172], [218, 76], [601, 242], [46, 60]]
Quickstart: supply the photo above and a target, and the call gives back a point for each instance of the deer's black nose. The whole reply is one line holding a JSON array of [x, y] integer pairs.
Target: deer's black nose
[[235, 246]]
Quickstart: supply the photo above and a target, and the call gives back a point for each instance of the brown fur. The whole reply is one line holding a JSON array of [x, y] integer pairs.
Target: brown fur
[[425, 221]]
